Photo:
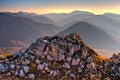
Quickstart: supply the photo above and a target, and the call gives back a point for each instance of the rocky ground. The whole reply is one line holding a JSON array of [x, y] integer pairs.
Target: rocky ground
[[59, 58]]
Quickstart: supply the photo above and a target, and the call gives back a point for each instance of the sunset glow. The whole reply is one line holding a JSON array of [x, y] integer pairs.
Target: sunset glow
[[55, 6]]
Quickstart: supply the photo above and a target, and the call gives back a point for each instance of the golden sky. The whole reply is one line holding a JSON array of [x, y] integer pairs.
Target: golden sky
[[60, 6]]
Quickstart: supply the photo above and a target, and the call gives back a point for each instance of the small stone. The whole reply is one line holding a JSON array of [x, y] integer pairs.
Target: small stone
[[67, 65], [49, 58], [8, 74], [45, 41], [32, 76], [51, 73], [37, 61], [55, 73], [45, 63], [26, 69], [75, 61], [17, 54], [32, 57], [12, 71], [1, 67], [69, 58], [40, 67], [72, 75], [42, 56], [12, 66], [68, 72], [61, 57], [18, 66], [16, 73], [72, 51], [119, 69], [22, 74], [46, 68], [26, 62]]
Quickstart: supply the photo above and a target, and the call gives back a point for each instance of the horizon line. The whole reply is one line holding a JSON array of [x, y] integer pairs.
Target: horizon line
[[61, 12]]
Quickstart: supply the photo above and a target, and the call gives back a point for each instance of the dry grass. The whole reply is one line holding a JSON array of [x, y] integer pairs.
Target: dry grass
[[5, 55]]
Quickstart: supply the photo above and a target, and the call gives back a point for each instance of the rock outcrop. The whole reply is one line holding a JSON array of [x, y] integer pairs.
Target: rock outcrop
[[59, 58]]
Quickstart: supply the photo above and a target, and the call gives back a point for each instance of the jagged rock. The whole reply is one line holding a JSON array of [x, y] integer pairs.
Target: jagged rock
[[46, 64], [61, 57], [47, 69], [8, 74], [79, 69], [75, 61], [51, 72], [32, 76], [71, 51], [40, 67], [16, 54], [49, 58], [18, 67], [26, 69], [12, 66], [72, 75], [2, 67], [69, 58], [66, 65], [37, 61], [26, 62], [22, 74], [56, 72], [16, 73]]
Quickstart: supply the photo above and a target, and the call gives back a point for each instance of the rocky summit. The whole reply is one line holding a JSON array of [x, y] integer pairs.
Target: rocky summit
[[59, 58]]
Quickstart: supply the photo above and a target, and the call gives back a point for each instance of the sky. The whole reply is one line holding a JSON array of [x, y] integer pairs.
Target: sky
[[60, 6]]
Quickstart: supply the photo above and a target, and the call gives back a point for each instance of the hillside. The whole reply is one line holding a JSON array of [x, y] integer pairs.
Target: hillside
[[23, 30], [35, 17], [59, 57], [93, 36], [65, 18], [109, 25]]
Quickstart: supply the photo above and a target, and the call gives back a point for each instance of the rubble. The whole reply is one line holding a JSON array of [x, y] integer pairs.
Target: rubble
[[60, 58]]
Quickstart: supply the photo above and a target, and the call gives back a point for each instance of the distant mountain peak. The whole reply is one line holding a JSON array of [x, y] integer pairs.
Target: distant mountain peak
[[81, 12]]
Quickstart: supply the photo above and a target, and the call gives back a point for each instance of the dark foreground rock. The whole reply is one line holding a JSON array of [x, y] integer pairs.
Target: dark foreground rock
[[59, 58]]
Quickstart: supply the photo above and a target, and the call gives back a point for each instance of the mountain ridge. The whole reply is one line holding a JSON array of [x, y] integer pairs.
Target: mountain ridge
[[92, 35]]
